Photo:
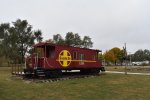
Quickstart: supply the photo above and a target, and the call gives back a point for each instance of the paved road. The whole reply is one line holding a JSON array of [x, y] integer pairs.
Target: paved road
[[115, 72]]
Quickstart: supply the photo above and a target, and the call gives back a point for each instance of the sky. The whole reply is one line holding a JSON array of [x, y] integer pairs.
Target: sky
[[110, 23]]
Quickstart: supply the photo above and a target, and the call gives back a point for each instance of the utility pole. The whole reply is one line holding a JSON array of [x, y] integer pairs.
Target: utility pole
[[130, 58], [125, 58]]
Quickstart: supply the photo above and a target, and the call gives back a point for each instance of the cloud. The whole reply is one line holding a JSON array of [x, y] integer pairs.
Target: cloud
[[110, 23]]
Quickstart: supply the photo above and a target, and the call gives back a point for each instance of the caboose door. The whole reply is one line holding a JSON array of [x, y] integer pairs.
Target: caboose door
[[39, 57]]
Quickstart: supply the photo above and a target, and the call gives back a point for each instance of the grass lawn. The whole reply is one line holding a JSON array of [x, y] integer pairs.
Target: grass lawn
[[103, 87], [136, 69]]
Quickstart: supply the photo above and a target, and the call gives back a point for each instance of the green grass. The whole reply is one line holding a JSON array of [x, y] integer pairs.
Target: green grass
[[103, 87], [136, 69]]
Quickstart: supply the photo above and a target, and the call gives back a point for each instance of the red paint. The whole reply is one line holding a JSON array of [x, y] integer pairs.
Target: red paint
[[51, 59]]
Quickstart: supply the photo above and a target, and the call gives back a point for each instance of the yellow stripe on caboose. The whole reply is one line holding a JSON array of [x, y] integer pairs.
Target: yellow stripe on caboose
[[65, 59], [78, 60]]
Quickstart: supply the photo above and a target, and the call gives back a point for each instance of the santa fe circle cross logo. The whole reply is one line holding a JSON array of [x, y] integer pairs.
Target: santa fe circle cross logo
[[64, 58]]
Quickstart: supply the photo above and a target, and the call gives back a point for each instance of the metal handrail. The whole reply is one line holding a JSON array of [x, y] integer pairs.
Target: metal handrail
[[48, 63]]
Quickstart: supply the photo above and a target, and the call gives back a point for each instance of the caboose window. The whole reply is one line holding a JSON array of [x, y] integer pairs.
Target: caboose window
[[50, 52], [39, 52], [81, 57], [74, 55], [94, 57]]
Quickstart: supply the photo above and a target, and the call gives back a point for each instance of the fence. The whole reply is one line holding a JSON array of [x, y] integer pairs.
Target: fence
[[17, 69]]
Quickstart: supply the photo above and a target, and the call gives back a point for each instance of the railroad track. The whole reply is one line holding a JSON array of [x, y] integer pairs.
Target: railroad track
[[65, 76]]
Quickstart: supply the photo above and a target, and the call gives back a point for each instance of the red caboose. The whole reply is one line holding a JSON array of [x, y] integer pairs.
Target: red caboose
[[50, 59]]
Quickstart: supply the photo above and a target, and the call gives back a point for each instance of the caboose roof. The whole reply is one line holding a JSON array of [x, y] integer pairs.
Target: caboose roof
[[43, 44]]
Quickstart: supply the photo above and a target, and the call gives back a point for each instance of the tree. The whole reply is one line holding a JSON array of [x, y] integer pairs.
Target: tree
[[18, 38], [50, 41], [77, 42], [57, 39], [38, 35], [87, 43], [4, 30], [146, 55], [109, 57], [101, 56], [114, 55], [4, 33], [117, 53], [72, 39], [69, 39], [1, 53], [141, 55]]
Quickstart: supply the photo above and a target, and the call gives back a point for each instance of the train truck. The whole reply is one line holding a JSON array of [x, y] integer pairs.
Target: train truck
[[50, 59]]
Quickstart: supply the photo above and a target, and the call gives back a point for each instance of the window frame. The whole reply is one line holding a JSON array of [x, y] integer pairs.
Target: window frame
[[75, 55]]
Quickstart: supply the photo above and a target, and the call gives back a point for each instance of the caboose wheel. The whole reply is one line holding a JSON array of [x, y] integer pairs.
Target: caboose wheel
[[53, 73], [95, 71], [89, 71], [28, 72], [85, 71]]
